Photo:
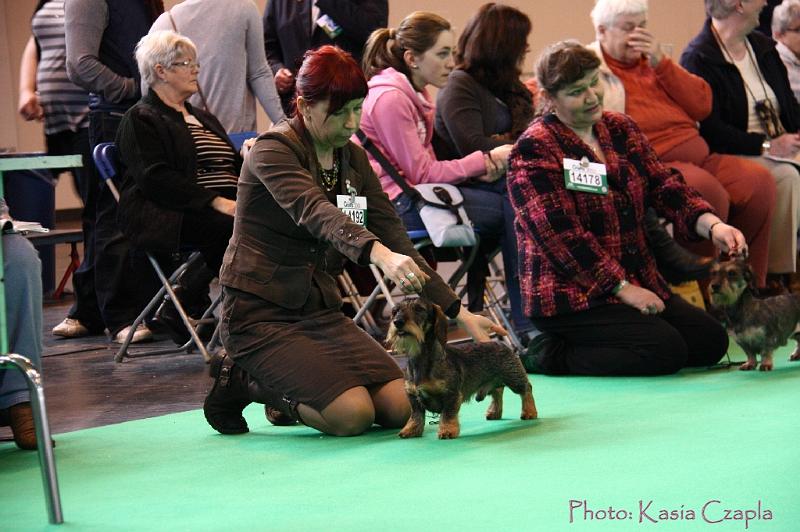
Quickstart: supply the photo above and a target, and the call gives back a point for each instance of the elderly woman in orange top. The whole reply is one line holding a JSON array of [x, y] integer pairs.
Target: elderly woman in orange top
[[666, 102]]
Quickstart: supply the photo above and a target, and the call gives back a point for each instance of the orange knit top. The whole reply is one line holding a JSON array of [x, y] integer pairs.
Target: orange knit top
[[666, 101]]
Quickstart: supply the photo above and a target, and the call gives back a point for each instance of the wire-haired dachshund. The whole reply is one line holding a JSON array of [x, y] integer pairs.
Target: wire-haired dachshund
[[759, 326], [440, 377]]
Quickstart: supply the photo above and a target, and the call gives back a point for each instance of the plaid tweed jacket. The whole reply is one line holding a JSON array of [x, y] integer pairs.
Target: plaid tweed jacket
[[575, 247]]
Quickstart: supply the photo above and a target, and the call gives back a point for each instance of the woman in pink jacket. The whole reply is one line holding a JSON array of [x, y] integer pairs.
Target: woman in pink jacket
[[398, 116]]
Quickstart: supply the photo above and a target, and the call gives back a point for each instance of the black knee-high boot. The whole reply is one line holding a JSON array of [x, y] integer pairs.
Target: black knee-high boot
[[233, 390]]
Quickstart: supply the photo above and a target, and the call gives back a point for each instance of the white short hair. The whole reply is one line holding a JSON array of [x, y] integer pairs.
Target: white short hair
[[783, 15], [161, 48], [606, 11]]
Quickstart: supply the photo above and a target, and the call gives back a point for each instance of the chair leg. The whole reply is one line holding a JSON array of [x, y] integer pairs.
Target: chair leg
[[190, 325], [47, 461]]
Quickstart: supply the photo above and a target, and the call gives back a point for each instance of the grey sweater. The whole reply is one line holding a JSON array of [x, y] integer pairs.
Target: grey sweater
[[230, 49]]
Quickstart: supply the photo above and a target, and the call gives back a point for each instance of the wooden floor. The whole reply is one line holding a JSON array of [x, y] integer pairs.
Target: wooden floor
[[84, 387]]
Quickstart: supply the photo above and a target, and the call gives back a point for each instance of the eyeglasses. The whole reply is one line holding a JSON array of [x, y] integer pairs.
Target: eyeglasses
[[188, 64]]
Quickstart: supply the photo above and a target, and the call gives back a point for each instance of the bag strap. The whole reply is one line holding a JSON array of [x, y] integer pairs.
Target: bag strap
[[199, 90], [418, 199], [388, 167]]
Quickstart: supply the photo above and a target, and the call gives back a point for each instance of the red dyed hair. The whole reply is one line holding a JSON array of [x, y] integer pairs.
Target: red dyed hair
[[330, 73]]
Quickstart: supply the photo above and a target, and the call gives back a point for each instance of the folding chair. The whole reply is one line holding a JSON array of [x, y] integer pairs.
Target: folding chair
[[105, 158], [494, 301]]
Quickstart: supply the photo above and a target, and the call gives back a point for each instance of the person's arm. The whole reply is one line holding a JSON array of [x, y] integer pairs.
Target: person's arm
[[689, 91], [84, 24], [721, 136], [667, 191], [547, 213], [394, 119], [357, 19], [259, 74], [459, 106], [272, 43], [147, 160], [29, 106]]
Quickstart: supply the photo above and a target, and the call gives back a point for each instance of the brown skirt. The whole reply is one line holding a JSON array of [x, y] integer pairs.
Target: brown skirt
[[312, 355]]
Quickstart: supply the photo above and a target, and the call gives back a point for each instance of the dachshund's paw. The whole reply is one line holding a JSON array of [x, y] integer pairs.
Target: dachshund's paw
[[448, 431], [413, 431], [493, 413], [748, 366], [766, 365], [795, 356], [529, 414]]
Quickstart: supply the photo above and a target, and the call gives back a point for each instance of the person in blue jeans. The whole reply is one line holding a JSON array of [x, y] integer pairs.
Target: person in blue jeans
[[23, 288]]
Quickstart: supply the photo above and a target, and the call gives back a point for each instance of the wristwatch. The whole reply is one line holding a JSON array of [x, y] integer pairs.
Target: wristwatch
[[765, 146]]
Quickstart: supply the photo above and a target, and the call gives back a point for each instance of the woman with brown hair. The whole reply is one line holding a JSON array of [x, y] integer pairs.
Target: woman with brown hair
[[484, 105], [580, 180]]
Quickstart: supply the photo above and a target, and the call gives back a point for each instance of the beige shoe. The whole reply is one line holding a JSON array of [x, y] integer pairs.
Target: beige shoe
[[70, 328], [142, 334]]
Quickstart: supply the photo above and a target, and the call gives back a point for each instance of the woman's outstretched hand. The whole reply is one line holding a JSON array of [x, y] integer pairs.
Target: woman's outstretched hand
[[400, 269], [479, 327], [729, 239]]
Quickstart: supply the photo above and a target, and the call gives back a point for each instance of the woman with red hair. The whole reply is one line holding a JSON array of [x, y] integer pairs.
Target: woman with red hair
[[307, 200]]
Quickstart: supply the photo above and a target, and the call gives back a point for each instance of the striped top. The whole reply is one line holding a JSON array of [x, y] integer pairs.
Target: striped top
[[64, 103], [215, 159]]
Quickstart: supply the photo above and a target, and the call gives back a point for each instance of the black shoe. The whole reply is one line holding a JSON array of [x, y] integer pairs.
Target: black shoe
[[545, 355], [675, 263], [228, 397]]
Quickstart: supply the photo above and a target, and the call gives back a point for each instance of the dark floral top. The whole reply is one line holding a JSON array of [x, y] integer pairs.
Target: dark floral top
[[576, 247]]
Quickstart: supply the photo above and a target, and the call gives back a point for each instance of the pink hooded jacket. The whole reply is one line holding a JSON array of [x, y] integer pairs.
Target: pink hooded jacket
[[399, 120]]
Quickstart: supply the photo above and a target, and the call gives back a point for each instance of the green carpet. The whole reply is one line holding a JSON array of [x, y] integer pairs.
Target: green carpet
[[679, 441]]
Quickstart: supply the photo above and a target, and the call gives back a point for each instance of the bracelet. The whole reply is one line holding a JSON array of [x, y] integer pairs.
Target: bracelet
[[711, 228], [622, 284]]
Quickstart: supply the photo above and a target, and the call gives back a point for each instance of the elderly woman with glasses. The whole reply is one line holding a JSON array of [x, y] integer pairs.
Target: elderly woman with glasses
[[666, 102], [755, 113], [179, 170]]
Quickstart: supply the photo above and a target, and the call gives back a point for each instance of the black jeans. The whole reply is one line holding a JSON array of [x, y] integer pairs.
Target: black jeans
[[124, 279], [620, 340], [85, 308]]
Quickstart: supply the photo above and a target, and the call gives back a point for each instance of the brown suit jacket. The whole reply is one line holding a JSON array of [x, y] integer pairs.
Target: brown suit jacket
[[287, 234]]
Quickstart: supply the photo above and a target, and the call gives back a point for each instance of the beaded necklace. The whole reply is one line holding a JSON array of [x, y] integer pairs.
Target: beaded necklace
[[330, 177]]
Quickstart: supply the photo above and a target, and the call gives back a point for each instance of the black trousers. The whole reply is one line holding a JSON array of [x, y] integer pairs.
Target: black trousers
[[85, 308], [207, 231], [124, 279], [619, 340]]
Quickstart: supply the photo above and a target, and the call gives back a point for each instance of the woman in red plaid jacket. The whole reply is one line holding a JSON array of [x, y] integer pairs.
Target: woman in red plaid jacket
[[580, 180]]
